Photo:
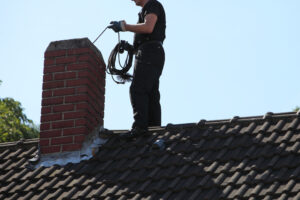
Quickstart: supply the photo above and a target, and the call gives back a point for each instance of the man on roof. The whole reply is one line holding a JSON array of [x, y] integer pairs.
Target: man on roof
[[149, 62]]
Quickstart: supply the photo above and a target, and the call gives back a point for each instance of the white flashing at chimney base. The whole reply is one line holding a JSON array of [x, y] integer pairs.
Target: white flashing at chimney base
[[89, 148]]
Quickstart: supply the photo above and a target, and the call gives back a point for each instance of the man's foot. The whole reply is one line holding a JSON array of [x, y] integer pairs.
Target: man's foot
[[105, 133], [133, 133]]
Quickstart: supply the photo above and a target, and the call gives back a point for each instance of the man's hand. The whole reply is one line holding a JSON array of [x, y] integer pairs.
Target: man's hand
[[117, 26]]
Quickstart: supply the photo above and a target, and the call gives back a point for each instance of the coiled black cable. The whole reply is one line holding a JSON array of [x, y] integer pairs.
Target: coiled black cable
[[121, 73]]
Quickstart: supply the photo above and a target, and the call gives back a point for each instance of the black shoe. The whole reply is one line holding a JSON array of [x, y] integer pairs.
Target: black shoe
[[105, 134], [133, 133]]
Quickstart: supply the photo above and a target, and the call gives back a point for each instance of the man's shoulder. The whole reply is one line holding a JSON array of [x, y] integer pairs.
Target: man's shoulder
[[154, 3]]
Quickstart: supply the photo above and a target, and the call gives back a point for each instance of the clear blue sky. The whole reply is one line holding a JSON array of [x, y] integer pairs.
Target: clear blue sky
[[223, 58]]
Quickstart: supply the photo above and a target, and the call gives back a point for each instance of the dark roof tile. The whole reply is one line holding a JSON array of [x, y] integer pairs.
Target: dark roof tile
[[42, 195], [7, 164], [296, 172], [56, 193], [243, 158], [283, 197], [17, 175], [226, 192], [28, 195], [49, 183], [76, 181], [34, 185], [293, 125], [220, 178], [296, 188], [27, 153], [14, 196], [3, 155], [20, 187], [267, 197], [183, 194], [68, 194], [5, 175]]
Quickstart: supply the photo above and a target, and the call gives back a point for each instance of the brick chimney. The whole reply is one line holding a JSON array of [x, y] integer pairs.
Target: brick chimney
[[73, 97]]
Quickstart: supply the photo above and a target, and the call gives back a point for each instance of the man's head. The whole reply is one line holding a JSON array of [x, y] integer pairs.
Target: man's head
[[140, 2]]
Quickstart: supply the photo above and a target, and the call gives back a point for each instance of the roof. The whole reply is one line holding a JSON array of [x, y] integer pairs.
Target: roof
[[241, 158]]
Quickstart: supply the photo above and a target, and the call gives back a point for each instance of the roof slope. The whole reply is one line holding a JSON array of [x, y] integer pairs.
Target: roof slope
[[242, 158]]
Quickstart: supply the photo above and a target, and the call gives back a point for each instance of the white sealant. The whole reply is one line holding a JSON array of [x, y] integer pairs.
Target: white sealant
[[89, 149]]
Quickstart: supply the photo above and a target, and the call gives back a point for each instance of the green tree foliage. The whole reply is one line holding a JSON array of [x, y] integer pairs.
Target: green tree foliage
[[297, 109], [14, 125]]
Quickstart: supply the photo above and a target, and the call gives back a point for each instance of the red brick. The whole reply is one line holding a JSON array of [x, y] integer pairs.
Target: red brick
[[77, 66], [83, 74], [62, 140], [46, 110], [91, 127], [71, 147], [75, 115], [82, 106], [44, 126], [83, 89], [55, 68], [48, 62], [50, 134], [65, 60], [75, 131], [79, 51], [52, 101], [47, 77], [98, 60], [79, 82], [81, 122], [93, 122], [79, 139], [66, 75], [63, 108], [53, 84], [64, 91], [51, 117], [44, 142], [76, 99], [86, 57], [50, 149], [47, 93], [63, 124], [55, 53], [93, 98]]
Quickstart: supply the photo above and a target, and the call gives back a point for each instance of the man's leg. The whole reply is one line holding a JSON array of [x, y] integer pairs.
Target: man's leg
[[139, 102], [143, 80], [154, 106]]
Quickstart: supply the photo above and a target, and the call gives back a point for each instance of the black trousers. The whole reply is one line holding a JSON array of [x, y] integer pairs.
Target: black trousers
[[144, 89]]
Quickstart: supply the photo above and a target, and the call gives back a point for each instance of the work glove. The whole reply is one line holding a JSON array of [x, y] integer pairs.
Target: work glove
[[117, 26]]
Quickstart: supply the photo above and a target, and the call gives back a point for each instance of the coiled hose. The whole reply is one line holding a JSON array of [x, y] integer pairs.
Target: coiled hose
[[122, 73]]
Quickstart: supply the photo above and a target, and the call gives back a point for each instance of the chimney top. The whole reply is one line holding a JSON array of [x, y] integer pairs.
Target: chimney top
[[73, 44]]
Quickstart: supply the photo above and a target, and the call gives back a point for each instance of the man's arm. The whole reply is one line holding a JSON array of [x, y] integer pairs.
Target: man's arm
[[146, 27]]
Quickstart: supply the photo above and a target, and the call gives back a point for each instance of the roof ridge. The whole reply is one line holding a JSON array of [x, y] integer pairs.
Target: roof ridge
[[22, 142], [261, 117], [235, 119]]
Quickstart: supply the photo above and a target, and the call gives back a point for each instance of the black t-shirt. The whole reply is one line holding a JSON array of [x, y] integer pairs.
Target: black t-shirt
[[154, 7]]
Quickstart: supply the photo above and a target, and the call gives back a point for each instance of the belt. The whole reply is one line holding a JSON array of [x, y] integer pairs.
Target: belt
[[150, 42]]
